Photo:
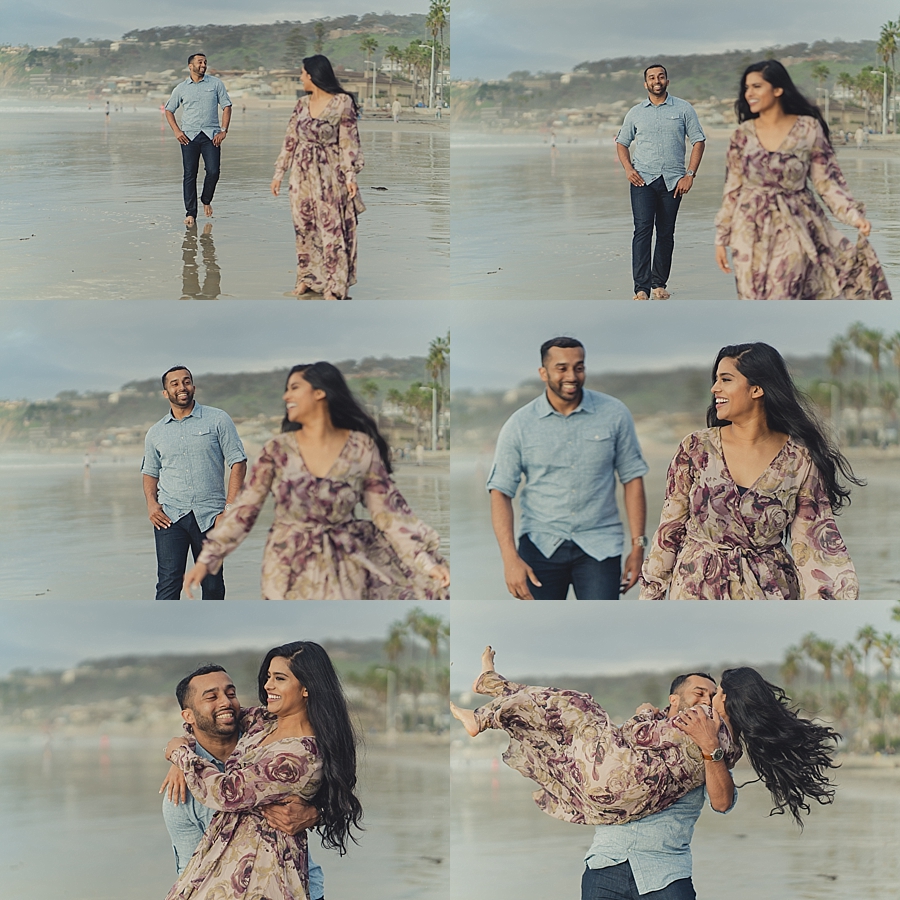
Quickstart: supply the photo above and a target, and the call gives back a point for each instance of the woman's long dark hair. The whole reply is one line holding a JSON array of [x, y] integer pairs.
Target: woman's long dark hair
[[322, 75], [339, 809], [342, 405], [791, 755], [789, 411], [792, 101]]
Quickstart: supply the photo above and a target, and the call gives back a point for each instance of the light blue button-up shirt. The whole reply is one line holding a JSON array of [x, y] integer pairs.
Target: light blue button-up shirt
[[570, 465], [188, 456], [656, 135], [658, 848], [187, 822], [201, 100]]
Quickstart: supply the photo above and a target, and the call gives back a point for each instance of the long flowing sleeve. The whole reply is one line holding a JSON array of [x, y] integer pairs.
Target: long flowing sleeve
[[285, 158], [348, 140], [235, 524], [823, 564], [734, 179], [276, 775], [417, 545], [829, 181], [659, 565]]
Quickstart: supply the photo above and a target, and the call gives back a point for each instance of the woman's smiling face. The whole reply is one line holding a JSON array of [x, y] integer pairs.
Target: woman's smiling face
[[284, 694], [300, 398], [733, 394]]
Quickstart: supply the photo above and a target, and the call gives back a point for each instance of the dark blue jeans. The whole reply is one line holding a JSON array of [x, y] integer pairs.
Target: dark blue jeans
[[593, 579], [172, 545], [653, 206], [201, 145], [617, 883]]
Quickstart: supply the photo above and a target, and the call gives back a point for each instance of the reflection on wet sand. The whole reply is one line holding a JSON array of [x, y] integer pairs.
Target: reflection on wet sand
[[190, 274]]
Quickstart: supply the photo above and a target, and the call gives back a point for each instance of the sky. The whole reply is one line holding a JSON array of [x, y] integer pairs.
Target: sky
[[43, 23], [49, 346], [624, 336], [557, 639], [492, 38], [58, 635]]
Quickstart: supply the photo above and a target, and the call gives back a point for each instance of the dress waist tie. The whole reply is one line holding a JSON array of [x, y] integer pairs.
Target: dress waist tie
[[740, 575]]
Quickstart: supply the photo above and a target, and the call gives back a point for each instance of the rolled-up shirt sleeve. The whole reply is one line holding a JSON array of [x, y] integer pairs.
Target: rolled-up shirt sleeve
[[630, 462], [222, 95], [175, 100], [506, 472], [692, 126], [627, 131], [150, 465], [232, 448]]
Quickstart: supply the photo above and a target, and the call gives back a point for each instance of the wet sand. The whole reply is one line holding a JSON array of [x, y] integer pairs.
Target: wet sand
[[511, 849], [93, 210], [70, 536], [525, 225], [868, 525]]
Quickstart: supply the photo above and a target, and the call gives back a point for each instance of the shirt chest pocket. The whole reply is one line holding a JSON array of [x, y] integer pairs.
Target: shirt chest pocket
[[205, 436], [597, 450]]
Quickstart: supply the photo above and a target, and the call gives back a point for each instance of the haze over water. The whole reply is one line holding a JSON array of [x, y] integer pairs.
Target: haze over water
[[93, 210]]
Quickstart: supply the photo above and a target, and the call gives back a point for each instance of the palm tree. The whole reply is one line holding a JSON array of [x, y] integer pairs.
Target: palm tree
[[319, 32], [886, 48], [820, 72], [396, 641], [436, 21], [790, 668], [837, 357], [393, 55], [369, 45], [866, 638], [892, 347], [848, 85]]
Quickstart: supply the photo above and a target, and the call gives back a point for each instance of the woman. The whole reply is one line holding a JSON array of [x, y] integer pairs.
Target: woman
[[763, 468], [592, 772], [301, 743], [782, 245], [321, 148], [329, 457]]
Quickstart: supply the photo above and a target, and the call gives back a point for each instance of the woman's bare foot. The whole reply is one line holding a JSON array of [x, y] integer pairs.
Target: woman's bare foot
[[190, 221], [467, 717], [330, 295], [487, 665], [301, 288]]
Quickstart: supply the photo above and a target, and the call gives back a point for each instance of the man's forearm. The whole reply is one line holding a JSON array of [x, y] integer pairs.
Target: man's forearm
[[170, 118], [151, 490], [624, 156], [719, 785], [636, 507], [503, 520], [696, 156], [226, 118], [236, 478]]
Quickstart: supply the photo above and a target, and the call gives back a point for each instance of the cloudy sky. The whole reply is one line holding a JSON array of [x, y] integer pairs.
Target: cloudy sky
[[623, 336], [47, 346], [59, 635], [44, 22], [492, 38], [556, 639]]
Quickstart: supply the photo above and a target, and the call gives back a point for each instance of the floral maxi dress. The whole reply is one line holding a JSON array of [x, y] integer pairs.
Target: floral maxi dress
[[323, 155], [590, 771], [317, 549], [240, 857], [782, 245], [715, 544]]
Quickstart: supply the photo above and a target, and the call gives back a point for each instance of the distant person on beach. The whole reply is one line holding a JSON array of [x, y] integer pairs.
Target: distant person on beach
[[569, 443], [185, 454], [299, 743], [653, 768], [200, 134], [211, 711], [396, 109], [321, 149], [763, 472], [782, 245], [657, 129], [329, 458]]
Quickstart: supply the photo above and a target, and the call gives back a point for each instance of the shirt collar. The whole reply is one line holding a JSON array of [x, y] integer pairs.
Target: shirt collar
[[196, 411], [664, 103], [545, 409]]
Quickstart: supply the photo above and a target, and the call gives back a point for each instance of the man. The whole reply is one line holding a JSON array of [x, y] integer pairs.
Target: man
[[569, 443], [209, 704], [652, 856], [396, 109], [657, 128], [185, 454], [200, 133]]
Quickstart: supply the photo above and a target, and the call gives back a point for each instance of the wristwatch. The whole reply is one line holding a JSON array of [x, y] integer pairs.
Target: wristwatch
[[717, 755], [691, 172], [641, 542]]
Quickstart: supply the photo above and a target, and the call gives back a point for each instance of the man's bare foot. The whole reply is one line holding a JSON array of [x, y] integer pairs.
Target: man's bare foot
[[467, 717], [207, 209], [190, 221], [640, 295], [660, 294]]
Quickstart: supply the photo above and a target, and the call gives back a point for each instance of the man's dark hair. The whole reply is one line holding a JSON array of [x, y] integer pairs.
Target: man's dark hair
[[175, 369], [681, 679], [655, 66], [195, 54], [565, 343], [181, 690]]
